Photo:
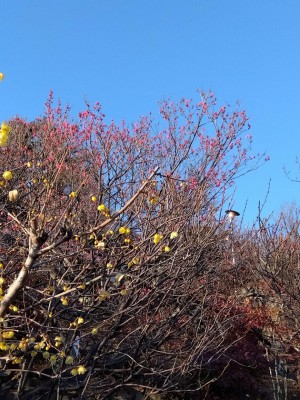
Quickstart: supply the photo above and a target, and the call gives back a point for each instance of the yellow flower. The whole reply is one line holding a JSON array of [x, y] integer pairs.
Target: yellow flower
[[127, 240], [2, 76], [52, 359], [80, 320], [2, 280], [7, 175], [73, 194], [46, 355], [13, 195], [101, 207], [157, 238], [127, 231], [29, 164], [104, 295], [100, 245], [74, 371], [122, 230], [167, 249], [69, 360], [123, 292], [154, 200], [109, 265], [64, 301], [17, 360], [81, 370], [8, 335], [94, 198], [3, 346], [5, 128], [1, 265], [3, 138], [173, 235], [94, 331]]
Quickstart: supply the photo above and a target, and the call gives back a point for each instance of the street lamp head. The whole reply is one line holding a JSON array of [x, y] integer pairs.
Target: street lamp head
[[231, 214]]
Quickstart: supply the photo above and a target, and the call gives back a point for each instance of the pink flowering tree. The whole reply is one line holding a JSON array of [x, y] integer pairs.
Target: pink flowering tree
[[112, 249]]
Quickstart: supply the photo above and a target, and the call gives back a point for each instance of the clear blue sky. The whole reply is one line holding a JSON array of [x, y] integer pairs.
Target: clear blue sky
[[130, 54]]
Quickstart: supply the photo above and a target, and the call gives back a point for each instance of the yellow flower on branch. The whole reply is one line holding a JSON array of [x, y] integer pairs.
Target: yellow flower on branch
[[5, 128], [3, 346], [167, 249], [13, 195], [81, 370], [73, 194], [173, 235], [3, 138], [2, 76], [157, 238], [8, 335], [7, 175], [122, 230], [69, 360], [154, 201]]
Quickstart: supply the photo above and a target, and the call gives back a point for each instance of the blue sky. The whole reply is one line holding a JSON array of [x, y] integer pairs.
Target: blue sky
[[130, 54]]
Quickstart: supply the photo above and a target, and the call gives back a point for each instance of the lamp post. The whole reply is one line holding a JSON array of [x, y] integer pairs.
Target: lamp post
[[231, 214]]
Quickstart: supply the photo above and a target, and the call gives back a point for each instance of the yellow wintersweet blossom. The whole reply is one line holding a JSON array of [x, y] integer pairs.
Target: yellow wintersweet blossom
[[81, 370], [122, 230], [94, 198], [3, 346], [101, 207], [73, 194], [53, 359], [103, 295], [173, 235], [2, 76], [29, 164], [100, 245], [167, 249], [157, 238], [2, 280], [7, 175], [3, 138], [5, 128], [94, 331], [123, 292], [109, 265], [8, 335], [64, 301], [13, 195], [17, 360], [154, 200], [69, 360], [46, 355], [74, 371], [80, 320]]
